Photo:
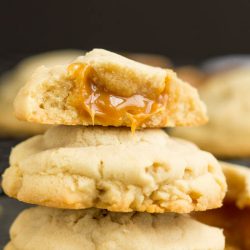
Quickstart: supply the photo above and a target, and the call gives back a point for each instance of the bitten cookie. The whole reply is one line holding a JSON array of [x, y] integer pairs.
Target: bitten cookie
[[103, 88], [79, 167], [12, 81], [227, 134], [52, 229]]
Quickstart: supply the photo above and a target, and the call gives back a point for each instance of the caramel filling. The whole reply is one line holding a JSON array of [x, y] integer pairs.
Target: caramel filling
[[92, 101]]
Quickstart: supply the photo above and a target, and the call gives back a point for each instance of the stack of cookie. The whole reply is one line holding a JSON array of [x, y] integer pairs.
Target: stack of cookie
[[84, 175]]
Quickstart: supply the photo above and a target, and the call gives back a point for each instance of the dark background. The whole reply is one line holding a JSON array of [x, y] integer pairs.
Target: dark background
[[186, 31]]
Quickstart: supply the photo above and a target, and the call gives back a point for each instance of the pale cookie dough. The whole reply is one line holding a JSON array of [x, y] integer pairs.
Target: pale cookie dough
[[136, 95], [80, 167], [13, 80], [91, 229], [227, 133], [234, 216], [238, 180]]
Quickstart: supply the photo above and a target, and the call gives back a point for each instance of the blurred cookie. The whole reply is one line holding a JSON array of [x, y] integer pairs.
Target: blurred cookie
[[112, 168], [103, 88], [234, 216], [12, 81], [225, 63], [227, 134], [42, 228], [238, 180], [191, 74]]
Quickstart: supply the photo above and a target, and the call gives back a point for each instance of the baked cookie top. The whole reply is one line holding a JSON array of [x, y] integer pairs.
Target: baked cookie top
[[103, 88], [79, 167], [45, 228]]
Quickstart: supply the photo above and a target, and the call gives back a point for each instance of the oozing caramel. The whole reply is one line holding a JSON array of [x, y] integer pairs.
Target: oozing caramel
[[94, 102]]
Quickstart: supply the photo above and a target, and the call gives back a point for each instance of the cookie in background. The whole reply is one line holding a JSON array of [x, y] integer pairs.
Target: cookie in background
[[13, 80], [227, 134], [234, 215], [224, 63], [191, 74]]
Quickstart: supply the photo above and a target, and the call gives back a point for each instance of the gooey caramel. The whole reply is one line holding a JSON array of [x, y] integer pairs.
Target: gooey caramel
[[95, 103]]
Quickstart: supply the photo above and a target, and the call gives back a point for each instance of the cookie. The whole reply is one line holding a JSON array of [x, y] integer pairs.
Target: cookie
[[103, 88], [234, 216], [238, 180], [12, 81], [79, 167], [52, 229], [224, 63], [227, 134]]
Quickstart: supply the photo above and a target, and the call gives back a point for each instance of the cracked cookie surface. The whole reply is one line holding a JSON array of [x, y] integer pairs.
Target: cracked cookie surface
[[80, 167]]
